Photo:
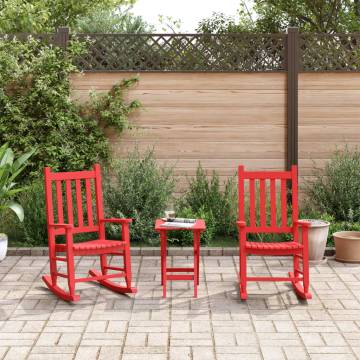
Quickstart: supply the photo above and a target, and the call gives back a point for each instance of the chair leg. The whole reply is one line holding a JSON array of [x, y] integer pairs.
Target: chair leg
[[71, 274], [53, 268], [302, 290], [296, 265], [114, 286], [51, 281], [103, 264], [243, 293], [127, 266], [306, 275]]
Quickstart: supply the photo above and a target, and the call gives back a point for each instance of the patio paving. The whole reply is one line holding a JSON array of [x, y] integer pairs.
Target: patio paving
[[272, 324]]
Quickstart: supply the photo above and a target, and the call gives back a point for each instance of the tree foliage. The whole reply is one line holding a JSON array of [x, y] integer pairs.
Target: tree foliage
[[36, 110], [113, 21], [270, 16], [37, 16]]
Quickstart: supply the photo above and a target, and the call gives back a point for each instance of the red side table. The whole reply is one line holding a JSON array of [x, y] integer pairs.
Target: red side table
[[197, 228]]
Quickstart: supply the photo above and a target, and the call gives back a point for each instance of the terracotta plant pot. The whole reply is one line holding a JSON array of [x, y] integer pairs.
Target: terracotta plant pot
[[347, 246], [318, 234], [3, 245]]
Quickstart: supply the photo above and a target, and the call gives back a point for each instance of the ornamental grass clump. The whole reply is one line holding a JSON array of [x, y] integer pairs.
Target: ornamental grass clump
[[205, 196], [335, 190]]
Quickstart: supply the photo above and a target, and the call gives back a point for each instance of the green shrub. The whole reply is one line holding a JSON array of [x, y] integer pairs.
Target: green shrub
[[36, 110], [34, 225], [204, 195], [185, 238], [32, 231], [336, 189], [138, 188]]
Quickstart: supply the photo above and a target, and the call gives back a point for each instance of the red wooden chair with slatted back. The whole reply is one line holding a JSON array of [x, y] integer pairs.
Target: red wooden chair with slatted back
[[266, 189], [76, 218]]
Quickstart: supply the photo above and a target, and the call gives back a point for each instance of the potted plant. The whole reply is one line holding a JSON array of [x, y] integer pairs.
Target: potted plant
[[347, 246], [10, 168], [317, 238]]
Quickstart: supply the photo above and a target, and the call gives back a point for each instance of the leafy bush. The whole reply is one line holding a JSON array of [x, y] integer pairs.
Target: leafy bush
[[34, 226], [336, 189], [138, 188], [32, 231], [10, 169], [37, 110], [186, 238], [204, 195]]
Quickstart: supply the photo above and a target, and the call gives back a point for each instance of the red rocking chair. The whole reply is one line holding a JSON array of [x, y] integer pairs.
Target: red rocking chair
[[85, 183], [275, 183]]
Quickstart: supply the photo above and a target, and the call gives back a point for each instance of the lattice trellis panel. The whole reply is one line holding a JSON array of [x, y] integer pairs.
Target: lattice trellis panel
[[330, 52], [184, 52]]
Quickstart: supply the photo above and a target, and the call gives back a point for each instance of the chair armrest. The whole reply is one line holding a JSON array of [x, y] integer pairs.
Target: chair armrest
[[305, 233], [241, 224], [118, 221], [302, 223], [68, 232], [242, 235]]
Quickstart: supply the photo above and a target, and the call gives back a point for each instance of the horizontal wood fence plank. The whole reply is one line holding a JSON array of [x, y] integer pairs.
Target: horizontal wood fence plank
[[182, 81], [327, 81], [268, 133], [194, 98], [203, 115], [197, 150], [330, 133], [315, 115], [329, 98]]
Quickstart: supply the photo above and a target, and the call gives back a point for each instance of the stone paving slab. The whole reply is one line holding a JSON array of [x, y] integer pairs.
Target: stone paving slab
[[272, 324]]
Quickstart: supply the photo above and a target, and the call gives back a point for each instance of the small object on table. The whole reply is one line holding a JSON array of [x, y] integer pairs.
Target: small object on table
[[162, 226], [169, 214]]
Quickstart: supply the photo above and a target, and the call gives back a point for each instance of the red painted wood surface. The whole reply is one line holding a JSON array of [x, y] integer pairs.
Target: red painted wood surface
[[260, 192], [70, 190], [167, 273]]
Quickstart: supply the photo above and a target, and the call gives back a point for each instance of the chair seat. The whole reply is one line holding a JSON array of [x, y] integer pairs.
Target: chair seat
[[275, 246], [93, 246]]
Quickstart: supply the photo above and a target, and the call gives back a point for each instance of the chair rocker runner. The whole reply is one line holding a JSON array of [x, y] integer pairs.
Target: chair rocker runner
[[79, 186], [262, 188]]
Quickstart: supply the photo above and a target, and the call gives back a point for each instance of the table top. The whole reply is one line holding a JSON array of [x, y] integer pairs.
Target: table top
[[199, 225]]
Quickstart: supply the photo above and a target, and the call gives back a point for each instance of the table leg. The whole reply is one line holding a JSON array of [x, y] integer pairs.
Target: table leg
[[196, 261], [163, 252], [198, 254]]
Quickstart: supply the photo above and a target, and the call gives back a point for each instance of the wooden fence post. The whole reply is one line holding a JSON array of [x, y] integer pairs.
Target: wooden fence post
[[292, 57], [62, 37]]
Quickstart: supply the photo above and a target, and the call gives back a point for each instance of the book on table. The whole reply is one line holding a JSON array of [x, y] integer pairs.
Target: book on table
[[179, 222]]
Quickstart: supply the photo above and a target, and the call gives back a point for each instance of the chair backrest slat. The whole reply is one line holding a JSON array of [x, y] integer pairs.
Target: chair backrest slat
[[273, 201], [79, 203], [59, 201], [69, 202], [262, 203], [89, 202], [70, 196], [283, 202], [263, 192], [252, 203]]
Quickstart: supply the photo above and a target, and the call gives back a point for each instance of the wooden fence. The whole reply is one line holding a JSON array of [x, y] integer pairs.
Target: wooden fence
[[226, 119], [267, 101]]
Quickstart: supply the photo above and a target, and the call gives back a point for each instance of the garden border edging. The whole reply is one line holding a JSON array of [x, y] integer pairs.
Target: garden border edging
[[149, 251]]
